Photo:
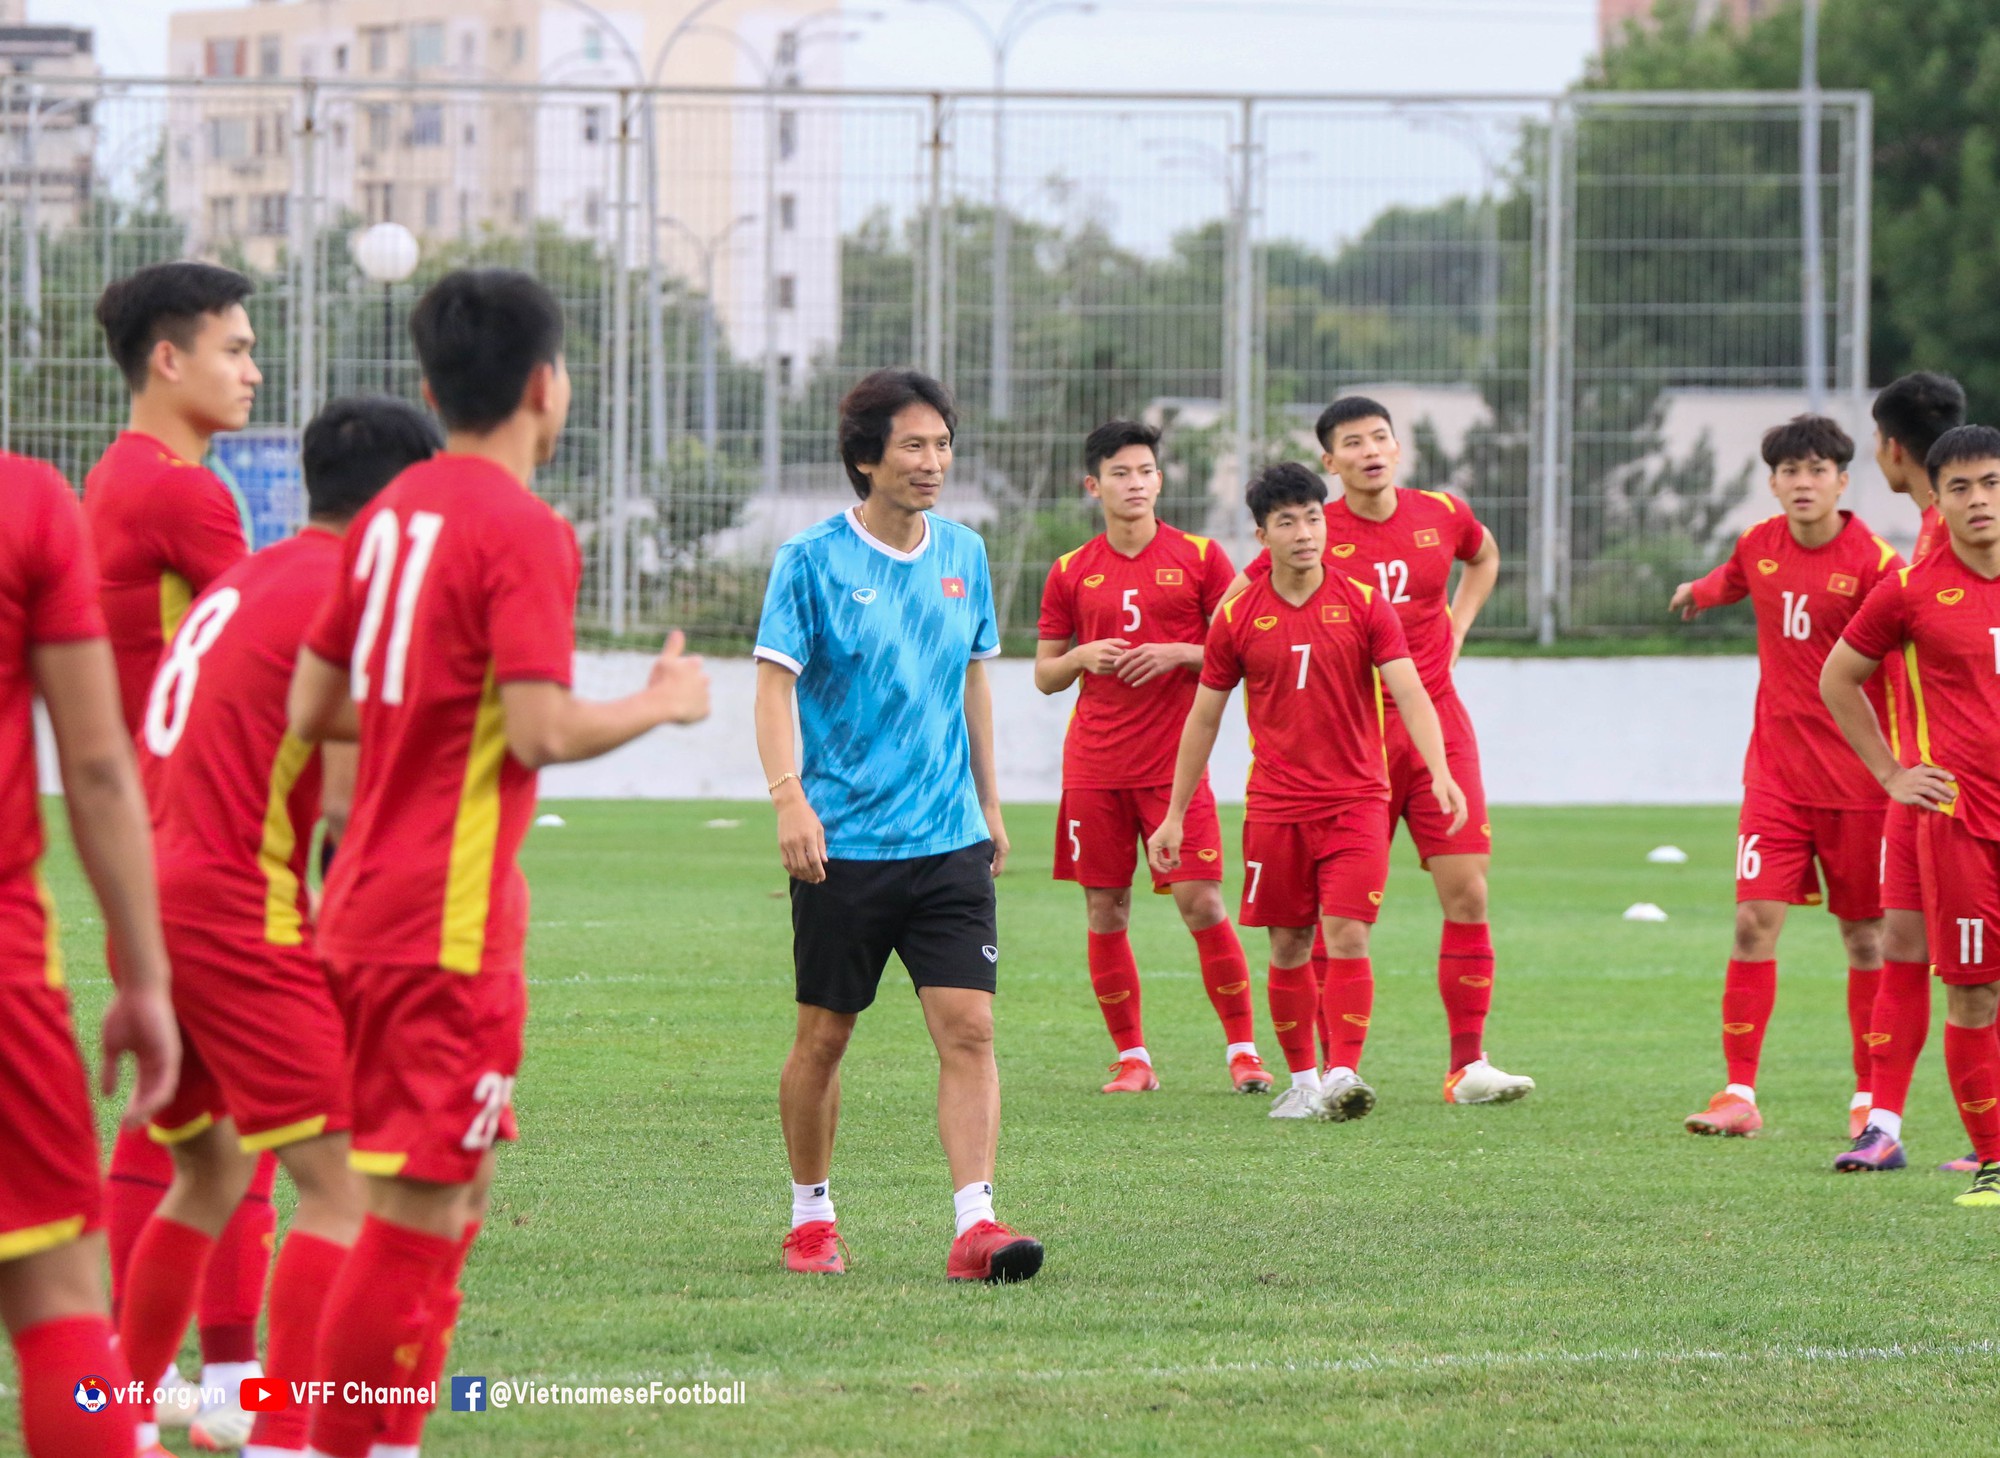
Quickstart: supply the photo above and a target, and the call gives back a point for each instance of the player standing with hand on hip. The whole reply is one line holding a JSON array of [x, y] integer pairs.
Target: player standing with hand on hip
[[880, 620]]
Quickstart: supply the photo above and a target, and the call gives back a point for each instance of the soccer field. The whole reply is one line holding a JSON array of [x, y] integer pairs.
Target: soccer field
[[1571, 1274]]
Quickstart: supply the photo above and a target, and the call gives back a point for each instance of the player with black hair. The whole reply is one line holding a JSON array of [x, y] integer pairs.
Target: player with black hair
[[446, 650], [1806, 799], [235, 800], [1125, 616], [1314, 649]]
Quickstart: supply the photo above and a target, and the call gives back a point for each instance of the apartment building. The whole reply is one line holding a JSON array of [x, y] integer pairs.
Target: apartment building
[[50, 135], [462, 117]]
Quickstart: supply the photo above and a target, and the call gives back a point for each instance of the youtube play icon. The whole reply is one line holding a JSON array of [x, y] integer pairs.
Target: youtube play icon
[[261, 1394]]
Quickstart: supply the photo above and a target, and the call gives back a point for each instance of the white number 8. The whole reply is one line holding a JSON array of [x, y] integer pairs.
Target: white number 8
[[173, 686]]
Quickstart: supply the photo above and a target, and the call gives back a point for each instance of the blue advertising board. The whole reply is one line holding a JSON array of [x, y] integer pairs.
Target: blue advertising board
[[262, 466]]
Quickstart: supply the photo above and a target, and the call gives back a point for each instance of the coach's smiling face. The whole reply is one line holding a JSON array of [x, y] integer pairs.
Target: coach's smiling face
[[910, 474]]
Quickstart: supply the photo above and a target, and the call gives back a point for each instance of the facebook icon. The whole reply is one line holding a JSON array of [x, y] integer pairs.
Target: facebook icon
[[468, 1394]]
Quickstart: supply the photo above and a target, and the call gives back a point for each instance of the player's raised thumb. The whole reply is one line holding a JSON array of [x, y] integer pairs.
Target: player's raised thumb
[[675, 645]]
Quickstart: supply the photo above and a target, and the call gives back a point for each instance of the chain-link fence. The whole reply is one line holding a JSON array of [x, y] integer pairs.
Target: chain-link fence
[[1582, 310]]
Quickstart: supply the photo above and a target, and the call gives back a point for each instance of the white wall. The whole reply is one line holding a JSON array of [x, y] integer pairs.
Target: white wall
[[1552, 731]]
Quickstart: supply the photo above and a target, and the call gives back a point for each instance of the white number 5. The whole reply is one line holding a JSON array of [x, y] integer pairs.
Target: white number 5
[[1131, 602]]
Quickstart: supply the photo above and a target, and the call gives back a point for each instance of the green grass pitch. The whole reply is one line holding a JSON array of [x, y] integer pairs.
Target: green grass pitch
[[1572, 1274]]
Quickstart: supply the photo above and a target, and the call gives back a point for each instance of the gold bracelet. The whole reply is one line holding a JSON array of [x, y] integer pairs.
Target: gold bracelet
[[778, 783]]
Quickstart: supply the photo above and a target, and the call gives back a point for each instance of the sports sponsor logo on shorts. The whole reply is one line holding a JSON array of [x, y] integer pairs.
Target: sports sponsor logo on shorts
[[1169, 577], [1333, 614], [1841, 583], [1342, 549], [1766, 566], [991, 954], [1096, 579], [1208, 855], [1374, 898], [1269, 620], [1428, 537], [1951, 595]]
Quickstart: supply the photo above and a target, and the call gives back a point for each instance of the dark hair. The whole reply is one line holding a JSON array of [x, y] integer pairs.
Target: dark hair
[[1918, 408], [870, 409], [358, 444], [163, 301], [480, 333], [1349, 408], [1112, 437], [1286, 484], [1962, 443], [1805, 436]]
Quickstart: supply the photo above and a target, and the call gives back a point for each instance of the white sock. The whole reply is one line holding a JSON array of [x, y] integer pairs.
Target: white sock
[[1860, 1101], [1306, 1078], [265, 1450], [1333, 1073], [228, 1376], [1139, 1053], [972, 1204], [384, 1450], [1888, 1123], [1742, 1091], [147, 1433], [1234, 1048], [811, 1202]]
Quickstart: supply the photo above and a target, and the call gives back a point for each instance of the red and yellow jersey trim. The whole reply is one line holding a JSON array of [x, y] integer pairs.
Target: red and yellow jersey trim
[[176, 597], [1200, 545], [376, 1162], [283, 926], [1923, 718], [285, 1134], [200, 1124], [1888, 552], [1062, 562], [475, 839], [1228, 608], [52, 957], [34, 1239], [1443, 498]]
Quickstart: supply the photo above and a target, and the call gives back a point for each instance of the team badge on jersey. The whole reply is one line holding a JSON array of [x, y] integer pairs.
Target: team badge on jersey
[[1268, 621], [1096, 579], [954, 587], [1333, 614], [1342, 549], [1766, 566], [1169, 577], [1951, 595], [1428, 537], [1841, 583]]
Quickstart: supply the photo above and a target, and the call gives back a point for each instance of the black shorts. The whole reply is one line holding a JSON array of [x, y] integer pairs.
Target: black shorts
[[937, 913]]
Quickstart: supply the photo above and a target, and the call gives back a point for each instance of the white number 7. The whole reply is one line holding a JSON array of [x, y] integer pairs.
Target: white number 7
[[1256, 877], [1305, 652]]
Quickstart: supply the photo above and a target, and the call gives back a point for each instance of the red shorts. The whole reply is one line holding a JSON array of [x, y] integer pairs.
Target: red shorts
[[261, 1041], [1099, 832], [1410, 797], [1295, 872], [431, 1061], [1902, 882], [1962, 912], [1777, 844], [50, 1188]]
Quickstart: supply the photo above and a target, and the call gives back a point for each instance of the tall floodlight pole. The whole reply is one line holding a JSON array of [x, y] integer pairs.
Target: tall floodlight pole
[[1814, 286], [1020, 16]]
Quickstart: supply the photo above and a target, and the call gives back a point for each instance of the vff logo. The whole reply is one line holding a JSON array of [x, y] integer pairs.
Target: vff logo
[[92, 1395]]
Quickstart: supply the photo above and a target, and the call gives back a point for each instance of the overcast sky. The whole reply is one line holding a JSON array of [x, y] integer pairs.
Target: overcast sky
[[1127, 45]]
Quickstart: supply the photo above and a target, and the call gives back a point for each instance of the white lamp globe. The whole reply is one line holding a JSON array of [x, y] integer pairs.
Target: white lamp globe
[[386, 253]]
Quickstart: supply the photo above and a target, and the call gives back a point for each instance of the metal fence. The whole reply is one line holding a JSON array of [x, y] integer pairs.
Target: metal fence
[[1577, 306]]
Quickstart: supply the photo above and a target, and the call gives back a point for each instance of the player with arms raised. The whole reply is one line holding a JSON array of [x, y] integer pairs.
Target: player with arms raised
[[51, 1295], [1314, 649], [1943, 616], [1125, 616], [164, 528], [1404, 543], [1806, 572], [1910, 414], [447, 649], [235, 802]]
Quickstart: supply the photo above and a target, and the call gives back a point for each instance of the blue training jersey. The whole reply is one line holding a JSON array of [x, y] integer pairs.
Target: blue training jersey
[[880, 640]]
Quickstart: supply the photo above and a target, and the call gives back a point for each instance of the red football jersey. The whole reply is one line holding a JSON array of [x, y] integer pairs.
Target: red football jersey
[[1944, 618], [48, 594], [1931, 535], [1311, 692], [164, 529], [456, 580], [1122, 737], [1803, 597], [234, 796], [1408, 559]]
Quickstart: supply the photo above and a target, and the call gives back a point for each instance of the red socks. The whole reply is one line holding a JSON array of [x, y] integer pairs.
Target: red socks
[[232, 1295], [405, 1427], [1293, 1005], [301, 1280], [55, 1356], [1225, 972], [140, 1173], [1748, 995], [1900, 1022], [1319, 994], [378, 1317], [1465, 982], [1114, 977], [1345, 1003], [1863, 986], [162, 1283], [1972, 1062]]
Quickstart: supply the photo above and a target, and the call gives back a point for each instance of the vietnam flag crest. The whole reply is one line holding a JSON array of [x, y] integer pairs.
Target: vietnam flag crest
[[954, 587]]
